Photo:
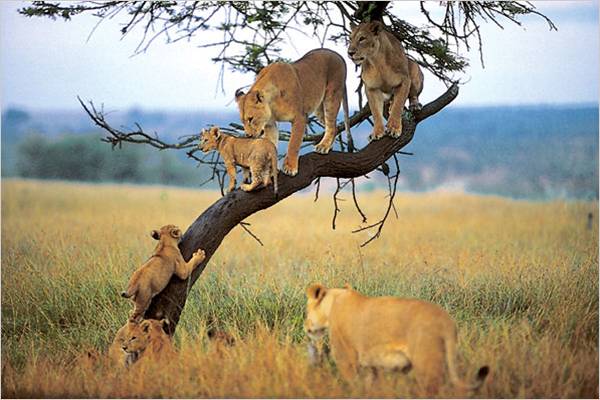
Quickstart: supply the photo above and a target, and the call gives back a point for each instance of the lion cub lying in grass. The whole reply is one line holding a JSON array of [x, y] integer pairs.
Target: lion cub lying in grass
[[386, 333], [257, 156], [146, 340], [152, 277]]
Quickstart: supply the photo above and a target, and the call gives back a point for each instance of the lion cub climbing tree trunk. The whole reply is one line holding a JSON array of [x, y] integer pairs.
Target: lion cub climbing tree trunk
[[211, 227]]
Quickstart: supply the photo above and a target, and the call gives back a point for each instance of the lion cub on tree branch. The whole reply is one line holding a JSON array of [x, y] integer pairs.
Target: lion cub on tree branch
[[385, 71], [316, 83], [257, 157], [386, 333], [152, 277]]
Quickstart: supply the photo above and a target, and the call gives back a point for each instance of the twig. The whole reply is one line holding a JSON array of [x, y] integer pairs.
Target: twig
[[245, 226], [381, 222]]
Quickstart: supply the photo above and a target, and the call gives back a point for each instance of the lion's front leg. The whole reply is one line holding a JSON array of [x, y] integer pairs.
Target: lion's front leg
[[231, 172], [375, 98], [290, 162], [394, 124], [345, 358], [184, 269]]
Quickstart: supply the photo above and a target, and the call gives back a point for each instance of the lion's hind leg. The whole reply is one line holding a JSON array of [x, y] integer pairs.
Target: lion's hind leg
[[246, 175], [428, 362], [331, 105], [256, 180], [143, 298]]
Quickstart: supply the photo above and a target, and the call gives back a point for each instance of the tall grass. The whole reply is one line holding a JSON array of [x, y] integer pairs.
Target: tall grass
[[520, 278]]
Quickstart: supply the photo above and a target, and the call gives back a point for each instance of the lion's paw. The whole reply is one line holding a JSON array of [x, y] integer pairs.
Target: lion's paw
[[322, 148], [415, 107], [394, 129], [199, 254], [288, 169], [376, 134]]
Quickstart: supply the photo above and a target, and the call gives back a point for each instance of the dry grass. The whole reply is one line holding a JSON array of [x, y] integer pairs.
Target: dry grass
[[520, 278]]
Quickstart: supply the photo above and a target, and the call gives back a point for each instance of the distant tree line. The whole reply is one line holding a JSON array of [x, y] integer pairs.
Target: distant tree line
[[84, 158]]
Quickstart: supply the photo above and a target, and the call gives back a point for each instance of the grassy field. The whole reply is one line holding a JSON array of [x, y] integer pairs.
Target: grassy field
[[520, 278]]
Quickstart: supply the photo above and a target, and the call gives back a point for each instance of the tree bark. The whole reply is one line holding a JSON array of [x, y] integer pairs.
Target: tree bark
[[211, 227]]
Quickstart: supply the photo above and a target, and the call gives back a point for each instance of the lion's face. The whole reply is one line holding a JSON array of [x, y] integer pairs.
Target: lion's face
[[209, 139], [318, 306], [364, 41], [255, 112], [139, 336]]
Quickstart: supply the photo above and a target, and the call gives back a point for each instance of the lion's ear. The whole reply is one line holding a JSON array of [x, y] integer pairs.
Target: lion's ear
[[145, 326], [176, 233], [155, 234], [347, 286], [316, 291], [215, 131], [259, 97], [165, 324], [239, 94], [376, 27]]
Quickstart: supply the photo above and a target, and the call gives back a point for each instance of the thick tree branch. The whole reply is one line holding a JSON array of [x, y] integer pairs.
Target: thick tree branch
[[211, 227]]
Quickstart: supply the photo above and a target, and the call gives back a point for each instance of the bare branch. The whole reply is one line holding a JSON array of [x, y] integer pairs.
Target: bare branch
[[245, 226]]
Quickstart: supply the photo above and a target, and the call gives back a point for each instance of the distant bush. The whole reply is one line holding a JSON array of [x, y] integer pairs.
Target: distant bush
[[85, 158]]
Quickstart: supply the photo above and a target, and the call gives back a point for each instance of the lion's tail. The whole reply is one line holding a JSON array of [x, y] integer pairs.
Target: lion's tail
[[451, 362], [274, 170], [347, 120]]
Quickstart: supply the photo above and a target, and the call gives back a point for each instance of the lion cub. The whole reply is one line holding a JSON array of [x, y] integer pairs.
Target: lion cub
[[256, 156], [152, 277], [148, 341], [115, 352], [387, 333]]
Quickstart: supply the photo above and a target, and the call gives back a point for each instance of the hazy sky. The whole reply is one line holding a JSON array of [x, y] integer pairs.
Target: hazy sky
[[45, 64]]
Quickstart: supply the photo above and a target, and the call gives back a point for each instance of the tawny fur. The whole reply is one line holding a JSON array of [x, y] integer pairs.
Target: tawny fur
[[115, 352], [386, 333], [316, 83], [386, 71], [152, 277], [147, 341], [256, 156]]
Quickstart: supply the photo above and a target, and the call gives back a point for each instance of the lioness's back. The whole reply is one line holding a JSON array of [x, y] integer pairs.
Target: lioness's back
[[382, 313]]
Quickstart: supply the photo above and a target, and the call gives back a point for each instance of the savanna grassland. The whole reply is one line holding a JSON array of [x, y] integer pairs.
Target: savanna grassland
[[520, 278]]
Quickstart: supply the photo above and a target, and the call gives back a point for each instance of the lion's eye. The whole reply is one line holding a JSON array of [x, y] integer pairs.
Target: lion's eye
[[360, 39], [250, 120], [134, 338]]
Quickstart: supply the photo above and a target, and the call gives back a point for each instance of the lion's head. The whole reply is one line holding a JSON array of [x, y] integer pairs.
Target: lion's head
[[209, 139], [364, 41], [167, 233], [147, 333], [255, 111], [318, 307]]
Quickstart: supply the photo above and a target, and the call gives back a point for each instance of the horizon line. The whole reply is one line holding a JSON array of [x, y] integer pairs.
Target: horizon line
[[4, 108]]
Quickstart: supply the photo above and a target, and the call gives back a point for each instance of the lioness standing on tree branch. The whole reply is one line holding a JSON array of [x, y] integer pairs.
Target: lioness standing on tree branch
[[386, 72], [316, 83]]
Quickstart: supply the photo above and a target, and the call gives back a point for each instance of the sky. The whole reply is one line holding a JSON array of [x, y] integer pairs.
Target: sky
[[46, 64]]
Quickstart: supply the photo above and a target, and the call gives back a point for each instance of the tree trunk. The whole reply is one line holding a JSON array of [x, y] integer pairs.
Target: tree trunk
[[211, 227]]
